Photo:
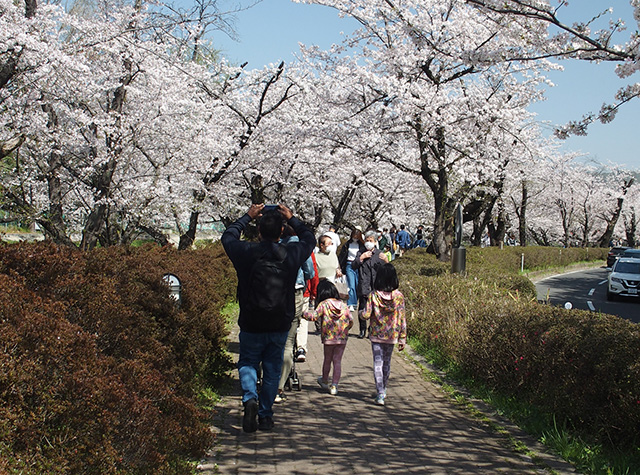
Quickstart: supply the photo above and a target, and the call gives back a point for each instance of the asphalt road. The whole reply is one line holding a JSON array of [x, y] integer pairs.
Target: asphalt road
[[587, 290]]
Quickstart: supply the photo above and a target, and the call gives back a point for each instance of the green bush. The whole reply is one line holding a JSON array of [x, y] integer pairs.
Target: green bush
[[99, 370], [579, 366], [509, 259]]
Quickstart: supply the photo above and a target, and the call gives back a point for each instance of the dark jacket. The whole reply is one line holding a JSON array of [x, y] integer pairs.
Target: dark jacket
[[367, 271], [243, 255], [344, 255]]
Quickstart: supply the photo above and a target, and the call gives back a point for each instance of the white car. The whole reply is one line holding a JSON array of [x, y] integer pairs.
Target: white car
[[624, 278]]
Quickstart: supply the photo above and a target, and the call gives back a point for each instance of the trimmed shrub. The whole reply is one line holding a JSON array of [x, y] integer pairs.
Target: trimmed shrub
[[99, 371], [582, 367]]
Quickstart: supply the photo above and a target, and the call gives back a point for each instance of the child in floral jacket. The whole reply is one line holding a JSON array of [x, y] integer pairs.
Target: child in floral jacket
[[388, 327], [336, 320]]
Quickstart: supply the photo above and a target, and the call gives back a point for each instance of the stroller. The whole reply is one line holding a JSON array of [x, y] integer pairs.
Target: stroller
[[293, 381]]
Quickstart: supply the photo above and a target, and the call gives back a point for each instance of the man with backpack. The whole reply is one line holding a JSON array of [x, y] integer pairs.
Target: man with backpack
[[267, 274]]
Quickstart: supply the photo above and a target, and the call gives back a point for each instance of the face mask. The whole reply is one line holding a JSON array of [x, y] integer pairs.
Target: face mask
[[369, 245]]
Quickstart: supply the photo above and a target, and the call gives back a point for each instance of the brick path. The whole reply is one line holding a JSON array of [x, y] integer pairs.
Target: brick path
[[418, 431]]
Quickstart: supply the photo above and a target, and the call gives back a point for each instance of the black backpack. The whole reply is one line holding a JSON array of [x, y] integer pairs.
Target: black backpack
[[268, 281]]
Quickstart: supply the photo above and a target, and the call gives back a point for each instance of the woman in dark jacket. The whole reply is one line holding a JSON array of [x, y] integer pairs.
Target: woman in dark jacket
[[367, 264], [347, 255]]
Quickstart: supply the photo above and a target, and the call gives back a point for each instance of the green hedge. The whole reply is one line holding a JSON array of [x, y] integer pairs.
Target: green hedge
[[580, 366], [99, 371]]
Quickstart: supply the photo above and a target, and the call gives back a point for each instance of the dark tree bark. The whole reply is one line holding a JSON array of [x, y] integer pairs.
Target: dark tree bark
[[631, 227], [613, 219]]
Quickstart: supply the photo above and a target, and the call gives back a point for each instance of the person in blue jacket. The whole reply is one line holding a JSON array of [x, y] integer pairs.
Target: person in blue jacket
[[263, 334], [403, 239]]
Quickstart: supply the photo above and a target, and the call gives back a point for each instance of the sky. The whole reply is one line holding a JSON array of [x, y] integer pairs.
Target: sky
[[272, 30]]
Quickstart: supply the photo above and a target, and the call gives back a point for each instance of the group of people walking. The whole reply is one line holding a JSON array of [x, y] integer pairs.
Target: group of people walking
[[280, 277]]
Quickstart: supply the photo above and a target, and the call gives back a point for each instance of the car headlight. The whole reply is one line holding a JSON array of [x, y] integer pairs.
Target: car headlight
[[616, 279]]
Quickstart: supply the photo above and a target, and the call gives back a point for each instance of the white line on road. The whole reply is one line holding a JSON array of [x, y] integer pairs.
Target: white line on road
[[603, 282], [591, 307], [591, 292]]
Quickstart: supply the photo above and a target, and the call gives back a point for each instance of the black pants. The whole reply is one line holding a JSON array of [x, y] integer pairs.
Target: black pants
[[362, 303]]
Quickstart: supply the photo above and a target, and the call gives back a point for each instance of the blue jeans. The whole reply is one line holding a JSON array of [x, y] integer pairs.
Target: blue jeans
[[352, 282], [268, 349]]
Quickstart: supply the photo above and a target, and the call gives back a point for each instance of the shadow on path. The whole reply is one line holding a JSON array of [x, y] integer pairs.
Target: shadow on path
[[418, 430]]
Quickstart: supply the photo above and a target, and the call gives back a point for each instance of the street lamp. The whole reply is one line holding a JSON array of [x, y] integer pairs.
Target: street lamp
[[175, 287]]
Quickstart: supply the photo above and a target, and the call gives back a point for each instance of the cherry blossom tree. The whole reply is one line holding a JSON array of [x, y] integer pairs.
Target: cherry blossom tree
[[99, 107], [582, 41], [428, 92]]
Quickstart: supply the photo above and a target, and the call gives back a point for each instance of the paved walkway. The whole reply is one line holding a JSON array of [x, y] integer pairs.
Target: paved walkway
[[419, 431]]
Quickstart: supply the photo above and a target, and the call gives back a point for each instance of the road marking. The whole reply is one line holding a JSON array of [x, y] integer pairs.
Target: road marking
[[603, 282], [591, 292], [591, 307]]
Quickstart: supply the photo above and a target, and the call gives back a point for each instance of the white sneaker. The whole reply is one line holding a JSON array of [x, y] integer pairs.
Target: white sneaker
[[322, 384], [333, 389], [380, 400], [352, 308]]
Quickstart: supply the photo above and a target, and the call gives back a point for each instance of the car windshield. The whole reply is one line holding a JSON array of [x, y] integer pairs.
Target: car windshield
[[628, 267]]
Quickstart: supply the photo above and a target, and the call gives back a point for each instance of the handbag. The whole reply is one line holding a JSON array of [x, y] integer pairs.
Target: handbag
[[343, 288]]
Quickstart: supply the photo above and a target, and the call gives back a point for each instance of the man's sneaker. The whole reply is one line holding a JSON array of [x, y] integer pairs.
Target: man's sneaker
[[280, 397], [352, 308], [265, 423], [333, 389], [301, 355], [249, 421], [380, 400], [323, 384]]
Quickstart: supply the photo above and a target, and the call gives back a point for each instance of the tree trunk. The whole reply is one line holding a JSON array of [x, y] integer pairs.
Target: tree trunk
[[155, 234], [473, 211], [631, 228], [498, 230], [340, 210], [613, 220], [187, 239], [606, 237], [522, 215], [54, 225], [443, 231]]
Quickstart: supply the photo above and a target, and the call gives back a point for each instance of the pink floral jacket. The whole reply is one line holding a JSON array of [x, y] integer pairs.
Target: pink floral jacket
[[336, 321], [386, 312]]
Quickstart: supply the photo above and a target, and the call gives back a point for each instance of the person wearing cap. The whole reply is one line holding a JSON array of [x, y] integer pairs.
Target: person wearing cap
[[335, 239]]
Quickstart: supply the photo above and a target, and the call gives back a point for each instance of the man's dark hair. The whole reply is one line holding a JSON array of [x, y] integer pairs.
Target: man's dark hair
[[386, 278], [402, 226], [326, 290], [270, 225], [288, 231]]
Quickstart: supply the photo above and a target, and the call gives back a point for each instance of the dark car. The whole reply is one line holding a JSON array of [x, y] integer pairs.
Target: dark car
[[614, 253], [631, 253]]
